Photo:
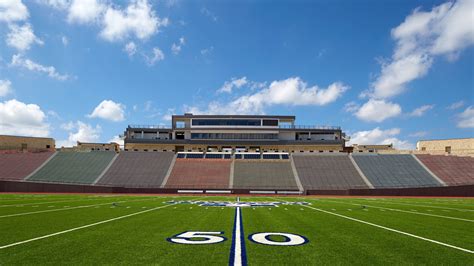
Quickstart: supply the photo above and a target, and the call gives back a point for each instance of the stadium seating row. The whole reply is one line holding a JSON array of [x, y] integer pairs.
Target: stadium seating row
[[164, 169]]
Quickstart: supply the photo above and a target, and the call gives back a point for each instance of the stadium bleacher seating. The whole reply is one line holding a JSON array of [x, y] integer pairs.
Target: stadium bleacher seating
[[394, 171], [195, 155], [453, 170], [214, 155], [138, 169], [200, 173], [270, 156], [16, 166], [327, 172], [74, 167], [257, 174]]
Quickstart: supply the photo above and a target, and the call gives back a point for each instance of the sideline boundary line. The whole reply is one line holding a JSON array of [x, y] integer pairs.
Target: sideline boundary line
[[427, 206], [50, 202], [82, 227], [391, 229], [65, 209], [398, 210]]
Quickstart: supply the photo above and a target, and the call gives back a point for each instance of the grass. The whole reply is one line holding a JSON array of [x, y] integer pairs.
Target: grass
[[140, 236]]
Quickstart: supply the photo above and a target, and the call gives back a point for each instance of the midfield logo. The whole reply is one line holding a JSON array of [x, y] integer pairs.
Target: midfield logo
[[238, 203]]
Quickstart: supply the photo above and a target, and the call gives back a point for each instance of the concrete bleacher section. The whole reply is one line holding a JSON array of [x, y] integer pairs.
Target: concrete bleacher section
[[200, 173], [138, 169], [327, 172], [17, 166], [394, 171], [74, 167], [264, 175], [453, 170]]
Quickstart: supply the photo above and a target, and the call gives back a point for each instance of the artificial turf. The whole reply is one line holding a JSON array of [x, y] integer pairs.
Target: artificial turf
[[121, 229]]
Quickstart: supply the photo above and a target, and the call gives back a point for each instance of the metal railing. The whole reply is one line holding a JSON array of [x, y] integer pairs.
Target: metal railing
[[150, 126], [281, 126], [309, 127]]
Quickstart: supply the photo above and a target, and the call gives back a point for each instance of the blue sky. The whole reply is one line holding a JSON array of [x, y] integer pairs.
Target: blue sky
[[385, 71]]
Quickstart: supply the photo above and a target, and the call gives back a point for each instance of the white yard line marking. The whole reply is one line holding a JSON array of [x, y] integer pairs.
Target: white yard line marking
[[398, 210], [439, 207], [25, 204], [71, 208], [392, 230], [467, 204], [32, 199], [237, 250], [238, 255], [82, 227]]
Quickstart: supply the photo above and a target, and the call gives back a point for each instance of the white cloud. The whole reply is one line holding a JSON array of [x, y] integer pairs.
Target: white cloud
[[169, 113], [157, 56], [419, 134], [351, 107], [176, 47], [5, 87], [109, 110], [65, 40], [22, 37], [85, 11], [378, 111], [396, 74], [137, 19], [57, 4], [445, 30], [117, 139], [130, 48], [291, 91], [206, 12], [233, 83], [420, 111], [19, 61], [379, 136], [18, 118], [79, 131], [456, 105], [466, 118], [455, 31], [13, 11], [207, 51]]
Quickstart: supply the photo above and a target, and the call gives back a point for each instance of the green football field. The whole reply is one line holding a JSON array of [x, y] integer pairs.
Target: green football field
[[218, 230]]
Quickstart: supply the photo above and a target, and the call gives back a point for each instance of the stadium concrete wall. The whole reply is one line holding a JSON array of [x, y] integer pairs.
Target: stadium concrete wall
[[451, 191], [34, 187]]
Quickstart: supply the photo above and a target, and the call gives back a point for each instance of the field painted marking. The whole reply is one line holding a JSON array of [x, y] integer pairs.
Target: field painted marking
[[65, 208], [19, 204], [51, 210], [82, 227], [34, 199], [398, 210], [439, 207], [392, 230], [453, 204], [238, 254]]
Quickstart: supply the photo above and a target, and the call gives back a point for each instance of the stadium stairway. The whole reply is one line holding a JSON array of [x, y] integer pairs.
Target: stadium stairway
[[17, 166], [328, 172], [394, 171], [200, 173], [74, 167], [263, 175], [453, 170], [138, 169]]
